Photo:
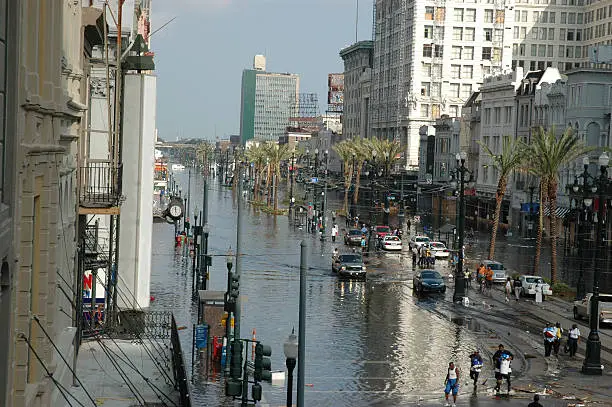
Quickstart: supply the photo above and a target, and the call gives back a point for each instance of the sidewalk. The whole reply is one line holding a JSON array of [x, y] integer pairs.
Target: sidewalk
[[518, 325]]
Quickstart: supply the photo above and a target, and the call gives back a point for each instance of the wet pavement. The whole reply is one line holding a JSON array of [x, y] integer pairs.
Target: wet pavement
[[368, 343]]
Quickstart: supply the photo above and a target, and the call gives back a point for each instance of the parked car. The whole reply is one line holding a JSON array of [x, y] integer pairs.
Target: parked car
[[417, 241], [582, 308], [439, 250], [382, 231], [349, 265], [391, 242], [529, 284], [428, 281], [353, 237], [499, 271]]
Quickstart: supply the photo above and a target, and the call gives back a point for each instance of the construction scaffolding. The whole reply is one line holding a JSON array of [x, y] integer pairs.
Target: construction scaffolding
[[305, 113]]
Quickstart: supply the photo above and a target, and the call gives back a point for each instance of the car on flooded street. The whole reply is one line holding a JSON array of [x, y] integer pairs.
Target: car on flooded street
[[530, 284], [382, 231], [391, 243], [428, 281], [439, 250], [418, 241], [353, 237], [349, 265], [499, 271]]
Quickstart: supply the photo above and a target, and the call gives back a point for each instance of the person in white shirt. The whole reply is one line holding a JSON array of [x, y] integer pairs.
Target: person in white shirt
[[573, 338], [334, 232], [451, 383], [508, 289]]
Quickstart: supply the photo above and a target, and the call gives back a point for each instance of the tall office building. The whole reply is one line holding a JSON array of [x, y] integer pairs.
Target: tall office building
[[430, 55], [267, 102]]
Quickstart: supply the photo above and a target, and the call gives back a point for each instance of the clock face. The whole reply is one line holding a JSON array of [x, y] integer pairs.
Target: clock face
[[175, 211]]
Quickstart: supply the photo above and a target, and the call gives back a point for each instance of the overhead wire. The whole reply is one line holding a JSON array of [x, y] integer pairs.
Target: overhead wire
[[63, 391], [35, 318]]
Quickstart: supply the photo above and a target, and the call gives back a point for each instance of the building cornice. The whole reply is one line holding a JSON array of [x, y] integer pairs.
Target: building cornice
[[38, 149]]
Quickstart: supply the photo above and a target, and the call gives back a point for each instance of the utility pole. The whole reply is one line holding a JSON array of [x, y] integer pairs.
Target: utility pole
[[302, 327]]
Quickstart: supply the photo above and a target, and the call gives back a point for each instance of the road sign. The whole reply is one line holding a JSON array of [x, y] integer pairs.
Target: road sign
[[201, 336], [314, 180]]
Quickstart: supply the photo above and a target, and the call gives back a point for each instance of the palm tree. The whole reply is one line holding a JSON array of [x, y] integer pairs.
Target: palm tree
[[511, 158], [345, 152], [388, 150], [361, 151], [257, 155], [547, 156]]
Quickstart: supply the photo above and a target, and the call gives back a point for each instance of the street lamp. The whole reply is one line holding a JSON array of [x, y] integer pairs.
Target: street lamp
[[204, 258], [460, 173], [585, 203], [290, 348], [592, 360], [229, 260]]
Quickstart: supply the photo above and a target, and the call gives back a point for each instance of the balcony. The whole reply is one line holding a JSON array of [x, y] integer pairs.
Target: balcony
[[100, 187]]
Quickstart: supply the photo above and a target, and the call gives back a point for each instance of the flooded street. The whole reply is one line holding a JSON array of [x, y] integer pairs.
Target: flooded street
[[368, 342]]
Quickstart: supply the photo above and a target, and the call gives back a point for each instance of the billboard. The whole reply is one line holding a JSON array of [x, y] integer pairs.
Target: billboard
[[335, 92]]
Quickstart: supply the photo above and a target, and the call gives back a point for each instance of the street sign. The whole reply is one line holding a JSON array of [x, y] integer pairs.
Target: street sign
[[314, 180], [201, 336]]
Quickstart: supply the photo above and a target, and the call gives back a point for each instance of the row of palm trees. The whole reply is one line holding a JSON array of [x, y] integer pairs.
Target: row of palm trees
[[544, 158], [354, 153]]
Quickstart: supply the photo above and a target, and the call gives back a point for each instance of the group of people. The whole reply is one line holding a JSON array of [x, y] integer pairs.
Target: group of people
[[502, 360], [423, 256], [553, 336], [484, 276]]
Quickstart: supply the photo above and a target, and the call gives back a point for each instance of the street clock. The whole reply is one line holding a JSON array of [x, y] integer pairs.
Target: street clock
[[175, 210]]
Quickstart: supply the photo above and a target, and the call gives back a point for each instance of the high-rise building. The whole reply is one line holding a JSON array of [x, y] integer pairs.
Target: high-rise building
[[357, 79], [267, 102], [429, 56]]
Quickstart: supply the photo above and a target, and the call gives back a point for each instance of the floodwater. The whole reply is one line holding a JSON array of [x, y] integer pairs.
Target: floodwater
[[368, 343]]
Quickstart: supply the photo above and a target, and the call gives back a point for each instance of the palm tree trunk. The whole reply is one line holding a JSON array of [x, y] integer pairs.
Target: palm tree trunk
[[345, 203], [536, 260], [268, 183], [499, 197], [275, 188], [256, 186], [357, 182], [552, 199]]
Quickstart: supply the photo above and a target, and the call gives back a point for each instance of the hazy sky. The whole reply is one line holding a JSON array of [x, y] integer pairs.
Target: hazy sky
[[200, 56]]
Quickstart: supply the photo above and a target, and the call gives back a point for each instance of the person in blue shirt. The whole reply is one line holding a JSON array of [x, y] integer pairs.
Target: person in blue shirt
[[475, 367]]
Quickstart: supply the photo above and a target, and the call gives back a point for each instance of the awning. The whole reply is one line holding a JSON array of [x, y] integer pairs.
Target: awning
[[560, 213]]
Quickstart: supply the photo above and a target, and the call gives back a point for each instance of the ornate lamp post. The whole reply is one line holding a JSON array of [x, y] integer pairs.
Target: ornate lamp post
[[592, 360], [290, 348], [460, 173], [229, 260], [583, 220]]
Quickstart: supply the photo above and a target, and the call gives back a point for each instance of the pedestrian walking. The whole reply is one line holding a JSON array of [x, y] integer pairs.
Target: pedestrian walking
[[476, 364], [501, 360], [334, 216], [347, 221], [572, 340], [517, 288], [414, 256], [334, 232], [535, 402], [508, 289], [451, 383], [558, 336], [550, 333]]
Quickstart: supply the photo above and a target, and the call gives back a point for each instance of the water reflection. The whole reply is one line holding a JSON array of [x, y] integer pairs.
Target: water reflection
[[368, 342]]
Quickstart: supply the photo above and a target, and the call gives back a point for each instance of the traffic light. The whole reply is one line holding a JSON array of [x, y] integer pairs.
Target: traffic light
[[236, 360], [234, 290], [262, 363]]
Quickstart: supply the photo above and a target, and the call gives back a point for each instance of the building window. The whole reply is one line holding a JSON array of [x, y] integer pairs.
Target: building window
[[428, 32], [438, 51], [551, 17], [458, 14], [488, 16], [429, 12], [435, 111], [487, 115], [508, 114], [424, 110], [454, 90], [486, 53], [516, 33], [453, 111], [523, 33], [456, 53], [466, 90], [456, 71], [497, 113], [469, 34], [488, 34], [436, 89], [427, 50], [425, 89], [468, 53], [426, 69], [457, 33], [534, 50], [524, 16], [467, 71], [470, 15]]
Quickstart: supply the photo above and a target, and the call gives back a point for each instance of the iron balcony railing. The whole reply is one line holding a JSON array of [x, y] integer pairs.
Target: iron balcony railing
[[178, 367], [100, 185]]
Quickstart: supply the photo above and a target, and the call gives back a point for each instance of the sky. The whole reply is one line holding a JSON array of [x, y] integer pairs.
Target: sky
[[199, 57]]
